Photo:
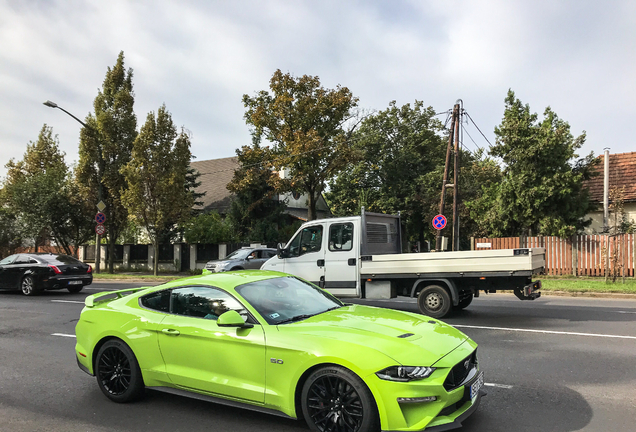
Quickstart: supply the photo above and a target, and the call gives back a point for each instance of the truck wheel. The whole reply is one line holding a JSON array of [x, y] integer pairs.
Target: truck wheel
[[434, 301], [463, 303]]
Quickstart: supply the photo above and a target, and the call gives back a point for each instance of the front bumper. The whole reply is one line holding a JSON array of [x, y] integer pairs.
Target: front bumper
[[448, 411]]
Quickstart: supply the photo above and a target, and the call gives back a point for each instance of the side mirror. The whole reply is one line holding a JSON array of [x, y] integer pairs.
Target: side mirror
[[281, 252], [232, 319]]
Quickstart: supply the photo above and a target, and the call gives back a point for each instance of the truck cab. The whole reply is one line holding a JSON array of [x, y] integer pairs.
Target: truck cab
[[327, 252]]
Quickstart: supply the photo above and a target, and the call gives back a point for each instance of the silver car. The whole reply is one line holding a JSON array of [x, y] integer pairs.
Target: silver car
[[241, 259]]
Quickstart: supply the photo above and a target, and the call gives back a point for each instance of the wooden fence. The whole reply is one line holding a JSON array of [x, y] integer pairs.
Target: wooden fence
[[584, 255]]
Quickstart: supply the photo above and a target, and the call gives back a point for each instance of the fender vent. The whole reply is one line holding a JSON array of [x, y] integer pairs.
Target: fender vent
[[405, 335]]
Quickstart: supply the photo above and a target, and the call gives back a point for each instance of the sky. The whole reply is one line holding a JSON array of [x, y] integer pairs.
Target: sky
[[200, 57]]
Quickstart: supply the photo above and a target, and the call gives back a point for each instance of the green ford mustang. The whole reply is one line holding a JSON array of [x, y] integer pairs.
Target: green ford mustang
[[272, 342]]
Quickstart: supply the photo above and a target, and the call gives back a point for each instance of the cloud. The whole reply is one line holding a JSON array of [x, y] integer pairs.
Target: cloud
[[200, 57]]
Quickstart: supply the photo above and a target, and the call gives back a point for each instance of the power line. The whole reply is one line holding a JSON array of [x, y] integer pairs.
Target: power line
[[475, 124]]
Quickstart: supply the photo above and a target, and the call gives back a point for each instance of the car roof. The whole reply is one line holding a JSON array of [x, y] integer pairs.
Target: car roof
[[224, 280]]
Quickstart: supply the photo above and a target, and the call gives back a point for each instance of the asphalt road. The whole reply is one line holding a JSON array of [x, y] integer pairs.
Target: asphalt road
[[555, 364]]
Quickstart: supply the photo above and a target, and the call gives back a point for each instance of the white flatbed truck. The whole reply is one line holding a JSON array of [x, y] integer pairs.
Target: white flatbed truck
[[361, 257]]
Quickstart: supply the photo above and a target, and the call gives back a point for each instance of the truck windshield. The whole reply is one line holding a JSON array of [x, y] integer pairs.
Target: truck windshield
[[282, 299]]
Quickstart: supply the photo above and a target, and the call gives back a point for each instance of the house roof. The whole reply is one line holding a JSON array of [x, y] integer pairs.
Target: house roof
[[215, 175], [622, 173]]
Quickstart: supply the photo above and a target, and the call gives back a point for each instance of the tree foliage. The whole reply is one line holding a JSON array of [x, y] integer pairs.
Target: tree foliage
[[256, 213], [105, 147], [44, 199], [208, 228], [306, 125], [400, 156], [541, 191], [156, 175]]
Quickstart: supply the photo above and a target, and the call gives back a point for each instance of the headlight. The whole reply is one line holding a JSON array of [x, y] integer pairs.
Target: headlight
[[221, 265], [405, 373]]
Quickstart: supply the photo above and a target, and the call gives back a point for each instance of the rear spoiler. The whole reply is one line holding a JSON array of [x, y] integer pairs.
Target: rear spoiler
[[90, 300]]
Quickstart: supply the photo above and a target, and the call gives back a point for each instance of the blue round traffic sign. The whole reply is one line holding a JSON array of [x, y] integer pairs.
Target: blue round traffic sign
[[100, 218], [439, 222]]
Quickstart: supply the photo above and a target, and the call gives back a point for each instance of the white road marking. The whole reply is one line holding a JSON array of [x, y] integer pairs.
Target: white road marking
[[627, 312], [67, 301], [546, 332], [102, 289], [63, 335], [504, 386]]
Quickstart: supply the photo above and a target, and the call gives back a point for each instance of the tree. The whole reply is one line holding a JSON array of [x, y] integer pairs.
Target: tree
[[541, 192], [208, 228], [306, 125], [256, 212], [156, 175], [40, 192], [400, 159], [10, 233], [105, 147]]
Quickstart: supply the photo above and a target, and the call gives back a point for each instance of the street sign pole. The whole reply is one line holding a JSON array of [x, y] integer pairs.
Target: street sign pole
[[98, 238]]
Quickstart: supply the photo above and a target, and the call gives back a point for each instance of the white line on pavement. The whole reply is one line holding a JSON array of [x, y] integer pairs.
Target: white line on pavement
[[102, 289], [626, 312], [504, 386], [67, 301], [63, 335], [546, 331]]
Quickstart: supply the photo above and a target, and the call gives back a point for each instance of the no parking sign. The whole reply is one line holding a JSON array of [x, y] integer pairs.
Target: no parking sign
[[439, 222]]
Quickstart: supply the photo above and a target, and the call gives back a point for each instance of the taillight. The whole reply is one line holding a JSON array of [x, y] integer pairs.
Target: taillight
[[55, 269], [90, 269]]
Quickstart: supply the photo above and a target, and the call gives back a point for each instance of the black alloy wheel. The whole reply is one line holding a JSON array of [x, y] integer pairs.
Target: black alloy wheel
[[117, 371], [27, 286], [334, 399]]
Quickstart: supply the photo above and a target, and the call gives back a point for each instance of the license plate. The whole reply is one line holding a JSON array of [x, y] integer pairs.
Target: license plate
[[477, 385], [74, 282]]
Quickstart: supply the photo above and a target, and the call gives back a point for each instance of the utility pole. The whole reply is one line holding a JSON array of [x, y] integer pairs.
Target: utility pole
[[453, 143], [456, 179]]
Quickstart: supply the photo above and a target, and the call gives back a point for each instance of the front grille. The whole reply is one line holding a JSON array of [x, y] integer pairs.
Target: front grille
[[460, 371]]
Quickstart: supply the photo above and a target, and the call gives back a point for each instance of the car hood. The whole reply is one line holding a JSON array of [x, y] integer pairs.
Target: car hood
[[408, 338]]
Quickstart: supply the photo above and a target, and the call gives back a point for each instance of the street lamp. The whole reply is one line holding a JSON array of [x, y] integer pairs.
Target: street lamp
[[100, 162]]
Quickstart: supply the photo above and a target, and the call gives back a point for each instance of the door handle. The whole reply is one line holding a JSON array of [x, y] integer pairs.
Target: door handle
[[320, 263], [171, 332], [351, 261]]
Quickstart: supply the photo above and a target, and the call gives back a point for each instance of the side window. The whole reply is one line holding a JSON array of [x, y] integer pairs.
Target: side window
[[341, 237], [21, 259], [8, 260], [159, 301], [268, 254], [204, 302], [307, 241]]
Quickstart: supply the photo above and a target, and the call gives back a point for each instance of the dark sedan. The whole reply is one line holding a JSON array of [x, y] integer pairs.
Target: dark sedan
[[35, 272]]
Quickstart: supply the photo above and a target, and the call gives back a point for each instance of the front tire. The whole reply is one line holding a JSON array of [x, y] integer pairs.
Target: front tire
[[434, 301], [117, 371], [27, 286], [335, 399]]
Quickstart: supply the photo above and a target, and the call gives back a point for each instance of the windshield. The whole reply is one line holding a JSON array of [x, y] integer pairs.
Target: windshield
[[238, 254], [286, 298]]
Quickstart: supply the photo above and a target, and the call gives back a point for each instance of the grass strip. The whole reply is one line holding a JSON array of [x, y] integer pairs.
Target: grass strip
[[596, 285]]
